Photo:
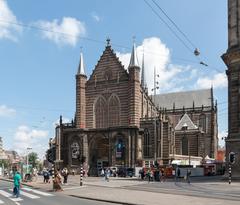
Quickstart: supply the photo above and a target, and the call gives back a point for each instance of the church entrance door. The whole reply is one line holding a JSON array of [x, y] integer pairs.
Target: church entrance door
[[98, 155]]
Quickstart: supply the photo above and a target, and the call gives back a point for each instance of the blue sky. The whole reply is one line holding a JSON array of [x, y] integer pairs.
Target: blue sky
[[37, 80]]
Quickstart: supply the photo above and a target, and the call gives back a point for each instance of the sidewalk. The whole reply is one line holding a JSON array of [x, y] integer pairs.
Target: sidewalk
[[118, 190]]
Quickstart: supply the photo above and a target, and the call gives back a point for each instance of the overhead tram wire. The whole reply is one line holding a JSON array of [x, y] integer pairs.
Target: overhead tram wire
[[195, 52], [103, 42], [64, 35], [176, 26], [169, 27]]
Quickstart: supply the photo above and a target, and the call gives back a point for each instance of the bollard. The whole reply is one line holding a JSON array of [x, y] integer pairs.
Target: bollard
[[230, 174], [81, 176]]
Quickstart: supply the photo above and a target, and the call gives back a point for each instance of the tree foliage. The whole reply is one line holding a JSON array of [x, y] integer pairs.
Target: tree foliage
[[32, 159], [5, 163]]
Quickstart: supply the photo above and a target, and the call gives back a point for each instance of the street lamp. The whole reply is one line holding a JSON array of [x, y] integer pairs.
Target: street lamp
[[28, 148]]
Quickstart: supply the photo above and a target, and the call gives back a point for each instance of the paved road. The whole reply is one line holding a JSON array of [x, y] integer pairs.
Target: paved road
[[215, 190], [30, 196]]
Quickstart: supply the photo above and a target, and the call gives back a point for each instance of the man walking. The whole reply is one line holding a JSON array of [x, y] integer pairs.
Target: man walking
[[178, 173], [17, 184]]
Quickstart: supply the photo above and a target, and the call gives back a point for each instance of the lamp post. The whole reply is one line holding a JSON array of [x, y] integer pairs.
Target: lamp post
[[155, 126], [28, 148]]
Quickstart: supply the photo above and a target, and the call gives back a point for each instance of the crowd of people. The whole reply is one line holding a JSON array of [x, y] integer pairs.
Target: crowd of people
[[61, 177], [161, 174]]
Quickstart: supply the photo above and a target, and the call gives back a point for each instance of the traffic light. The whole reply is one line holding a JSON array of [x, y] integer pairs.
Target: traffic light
[[51, 154], [232, 157]]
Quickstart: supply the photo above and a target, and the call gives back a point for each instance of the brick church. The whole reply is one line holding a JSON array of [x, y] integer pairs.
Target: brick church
[[117, 123]]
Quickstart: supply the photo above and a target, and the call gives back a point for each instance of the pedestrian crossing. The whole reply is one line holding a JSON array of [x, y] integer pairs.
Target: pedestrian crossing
[[25, 193]]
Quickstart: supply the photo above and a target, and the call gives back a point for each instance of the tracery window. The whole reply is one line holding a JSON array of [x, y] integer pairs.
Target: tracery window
[[114, 110], [100, 113]]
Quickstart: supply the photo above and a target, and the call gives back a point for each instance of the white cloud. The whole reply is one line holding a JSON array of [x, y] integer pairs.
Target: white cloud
[[6, 112], [8, 29], [219, 80], [157, 55], [66, 32], [172, 77], [95, 17], [26, 137]]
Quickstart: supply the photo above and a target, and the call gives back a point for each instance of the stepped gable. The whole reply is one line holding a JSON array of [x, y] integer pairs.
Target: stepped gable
[[109, 67]]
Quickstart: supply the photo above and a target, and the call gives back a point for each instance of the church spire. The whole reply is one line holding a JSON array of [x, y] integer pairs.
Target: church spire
[[133, 60], [143, 81], [81, 69]]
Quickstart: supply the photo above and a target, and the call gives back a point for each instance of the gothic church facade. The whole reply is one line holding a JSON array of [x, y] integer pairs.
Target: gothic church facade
[[117, 123]]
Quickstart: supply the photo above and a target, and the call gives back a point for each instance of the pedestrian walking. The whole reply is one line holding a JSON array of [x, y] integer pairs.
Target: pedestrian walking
[[188, 175], [108, 173], [45, 175], [17, 184], [178, 173], [57, 182], [148, 175], [162, 179], [142, 173], [65, 175]]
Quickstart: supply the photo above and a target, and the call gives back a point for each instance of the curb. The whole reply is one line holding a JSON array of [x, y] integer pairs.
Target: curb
[[103, 200]]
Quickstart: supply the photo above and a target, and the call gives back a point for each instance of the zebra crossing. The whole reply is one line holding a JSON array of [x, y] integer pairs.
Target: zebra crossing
[[25, 193]]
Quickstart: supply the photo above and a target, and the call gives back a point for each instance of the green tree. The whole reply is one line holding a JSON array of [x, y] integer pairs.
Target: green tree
[[32, 159], [5, 163]]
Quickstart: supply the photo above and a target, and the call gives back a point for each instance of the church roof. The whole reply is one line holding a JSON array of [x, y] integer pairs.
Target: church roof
[[185, 99], [185, 122]]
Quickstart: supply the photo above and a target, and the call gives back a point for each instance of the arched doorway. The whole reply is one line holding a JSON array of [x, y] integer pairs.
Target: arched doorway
[[98, 154]]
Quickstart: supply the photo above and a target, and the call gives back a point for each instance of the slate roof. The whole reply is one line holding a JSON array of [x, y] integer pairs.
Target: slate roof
[[186, 99], [186, 121]]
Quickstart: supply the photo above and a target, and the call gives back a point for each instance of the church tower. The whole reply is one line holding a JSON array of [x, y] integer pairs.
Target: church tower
[[232, 60], [134, 89], [81, 79]]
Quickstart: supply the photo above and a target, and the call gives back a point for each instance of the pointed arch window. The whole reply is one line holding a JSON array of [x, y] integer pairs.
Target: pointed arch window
[[100, 113], [146, 143], [114, 110], [202, 122]]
